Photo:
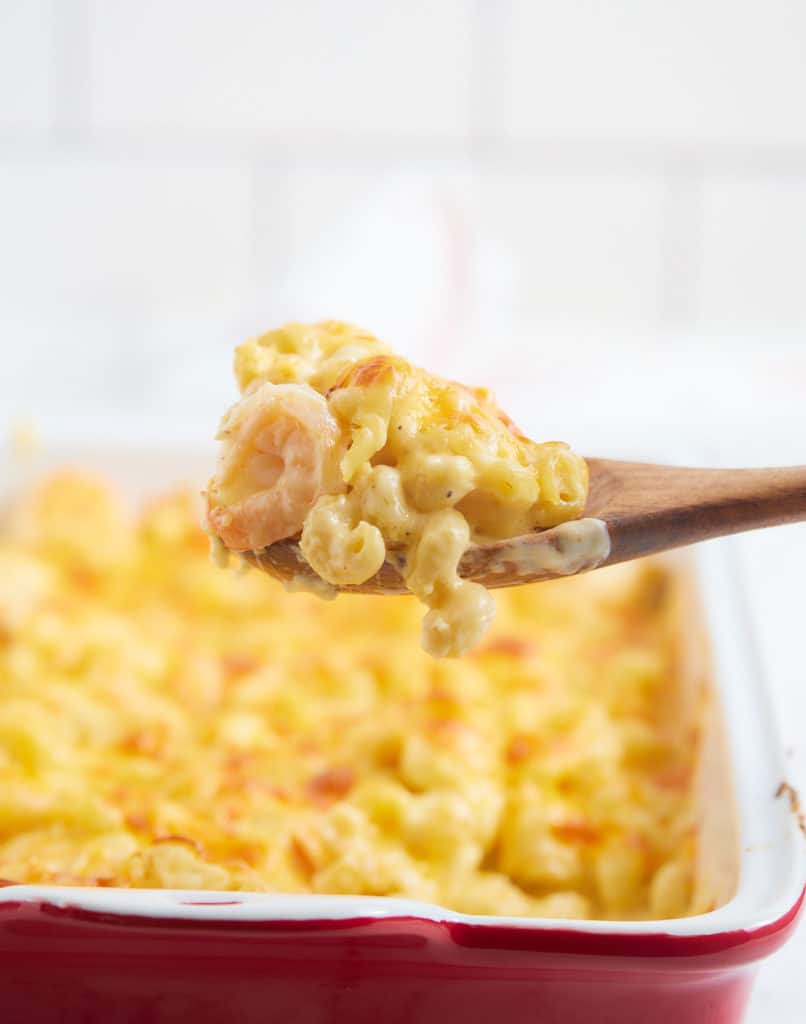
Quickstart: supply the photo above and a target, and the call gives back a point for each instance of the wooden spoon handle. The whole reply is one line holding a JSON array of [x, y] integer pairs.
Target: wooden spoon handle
[[653, 508]]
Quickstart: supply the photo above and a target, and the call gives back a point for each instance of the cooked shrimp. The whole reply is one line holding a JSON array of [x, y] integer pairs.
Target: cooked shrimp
[[280, 453]]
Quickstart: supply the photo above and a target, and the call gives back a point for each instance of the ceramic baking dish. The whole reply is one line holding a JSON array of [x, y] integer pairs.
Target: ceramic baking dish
[[116, 955]]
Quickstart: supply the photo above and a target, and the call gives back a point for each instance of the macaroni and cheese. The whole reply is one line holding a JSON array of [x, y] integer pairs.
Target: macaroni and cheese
[[364, 455], [167, 724]]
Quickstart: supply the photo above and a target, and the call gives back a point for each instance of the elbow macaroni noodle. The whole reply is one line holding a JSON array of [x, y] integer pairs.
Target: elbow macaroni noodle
[[167, 724], [364, 455]]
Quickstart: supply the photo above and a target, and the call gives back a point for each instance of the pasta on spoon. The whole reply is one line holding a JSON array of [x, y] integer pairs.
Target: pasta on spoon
[[368, 459]]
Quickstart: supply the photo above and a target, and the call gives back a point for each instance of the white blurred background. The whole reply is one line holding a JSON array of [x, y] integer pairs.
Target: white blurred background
[[598, 207]]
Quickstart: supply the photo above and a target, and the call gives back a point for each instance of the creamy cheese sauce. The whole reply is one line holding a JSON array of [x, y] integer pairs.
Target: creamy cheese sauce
[[563, 550]]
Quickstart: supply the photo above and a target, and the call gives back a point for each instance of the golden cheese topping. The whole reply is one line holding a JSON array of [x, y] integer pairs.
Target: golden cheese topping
[[167, 724], [362, 454]]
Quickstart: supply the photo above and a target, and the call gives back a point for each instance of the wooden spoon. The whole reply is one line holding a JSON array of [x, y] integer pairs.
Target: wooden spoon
[[644, 508]]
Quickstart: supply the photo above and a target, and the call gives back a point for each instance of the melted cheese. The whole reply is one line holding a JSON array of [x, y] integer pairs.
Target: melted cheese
[[164, 723]]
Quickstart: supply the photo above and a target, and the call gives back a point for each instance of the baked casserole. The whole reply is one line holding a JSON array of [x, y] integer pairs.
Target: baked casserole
[[164, 724]]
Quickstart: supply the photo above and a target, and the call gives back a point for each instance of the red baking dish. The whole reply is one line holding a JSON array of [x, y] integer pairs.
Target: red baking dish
[[117, 955]]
